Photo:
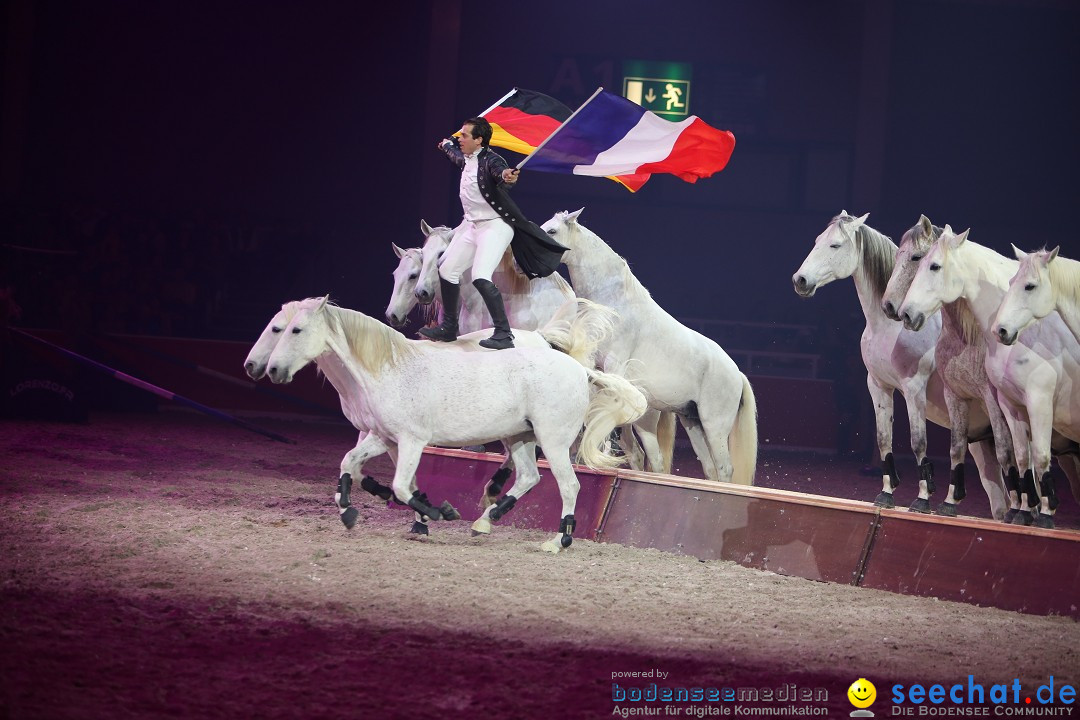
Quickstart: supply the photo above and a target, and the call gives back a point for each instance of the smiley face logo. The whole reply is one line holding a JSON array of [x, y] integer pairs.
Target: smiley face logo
[[862, 693]]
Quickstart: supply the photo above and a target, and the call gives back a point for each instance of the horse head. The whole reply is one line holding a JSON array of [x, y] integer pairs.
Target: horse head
[[402, 299], [561, 227], [436, 240], [936, 282], [303, 339], [255, 363], [835, 255], [1030, 295], [913, 247]]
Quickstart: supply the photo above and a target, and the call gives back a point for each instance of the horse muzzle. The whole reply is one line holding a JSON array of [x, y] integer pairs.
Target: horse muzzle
[[913, 321], [1004, 336], [803, 287], [255, 372], [279, 376], [424, 297], [890, 310]]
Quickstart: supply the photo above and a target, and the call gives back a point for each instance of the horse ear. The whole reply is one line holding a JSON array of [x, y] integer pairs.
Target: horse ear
[[1053, 254], [322, 303], [572, 217], [1020, 254], [962, 237], [862, 220], [926, 225], [424, 227], [397, 251]]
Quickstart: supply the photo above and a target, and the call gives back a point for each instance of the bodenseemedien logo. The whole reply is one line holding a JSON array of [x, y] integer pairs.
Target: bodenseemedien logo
[[862, 694]]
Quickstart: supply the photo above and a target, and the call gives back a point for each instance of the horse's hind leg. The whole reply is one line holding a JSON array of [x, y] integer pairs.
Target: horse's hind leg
[[959, 422], [915, 399], [882, 398], [646, 427], [569, 486], [985, 454], [523, 452], [494, 487]]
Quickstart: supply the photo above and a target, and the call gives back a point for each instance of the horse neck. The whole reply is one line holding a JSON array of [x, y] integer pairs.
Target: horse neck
[[960, 322], [366, 347], [1065, 280], [986, 275], [597, 272], [876, 262]]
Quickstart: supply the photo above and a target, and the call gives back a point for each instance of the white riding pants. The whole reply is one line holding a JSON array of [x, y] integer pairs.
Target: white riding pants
[[476, 245]]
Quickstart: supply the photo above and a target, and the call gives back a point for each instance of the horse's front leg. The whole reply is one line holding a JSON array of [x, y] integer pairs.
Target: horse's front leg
[[882, 398], [915, 399], [367, 447], [494, 487], [1041, 432], [959, 421], [410, 450], [1021, 487]]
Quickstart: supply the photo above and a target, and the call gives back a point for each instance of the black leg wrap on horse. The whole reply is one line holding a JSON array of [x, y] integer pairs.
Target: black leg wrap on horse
[[349, 517], [926, 474], [1012, 480], [505, 505], [376, 488], [889, 468], [959, 490], [344, 486], [1046, 484], [419, 528], [495, 484], [566, 527], [1029, 488], [419, 503], [449, 512]]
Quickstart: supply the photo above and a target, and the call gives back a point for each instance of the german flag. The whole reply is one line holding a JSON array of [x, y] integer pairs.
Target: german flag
[[523, 119]]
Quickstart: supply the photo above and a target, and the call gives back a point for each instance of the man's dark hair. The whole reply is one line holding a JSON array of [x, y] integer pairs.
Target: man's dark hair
[[481, 128]]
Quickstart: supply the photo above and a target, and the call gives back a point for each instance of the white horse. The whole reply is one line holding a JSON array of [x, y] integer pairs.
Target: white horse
[[960, 358], [529, 303], [1044, 282], [1035, 377], [681, 371], [414, 393], [576, 329], [896, 359]]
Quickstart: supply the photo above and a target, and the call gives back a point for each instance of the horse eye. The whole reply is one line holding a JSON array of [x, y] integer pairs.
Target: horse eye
[[835, 247], [1029, 287], [916, 258], [275, 330], [413, 276], [934, 267], [296, 331], [551, 232]]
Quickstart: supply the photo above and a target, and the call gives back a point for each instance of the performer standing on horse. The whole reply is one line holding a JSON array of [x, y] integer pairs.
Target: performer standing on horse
[[491, 222]]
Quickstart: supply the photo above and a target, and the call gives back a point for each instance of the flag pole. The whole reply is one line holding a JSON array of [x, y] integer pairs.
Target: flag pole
[[499, 102], [526, 158]]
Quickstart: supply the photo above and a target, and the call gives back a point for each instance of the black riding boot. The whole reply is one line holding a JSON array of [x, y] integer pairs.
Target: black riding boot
[[447, 331], [502, 338]]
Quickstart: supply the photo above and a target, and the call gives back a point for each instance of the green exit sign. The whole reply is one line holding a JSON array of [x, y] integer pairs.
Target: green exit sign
[[662, 87]]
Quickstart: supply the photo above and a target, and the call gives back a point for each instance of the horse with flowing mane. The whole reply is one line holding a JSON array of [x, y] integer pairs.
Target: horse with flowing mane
[[1035, 377], [681, 371], [960, 358], [1044, 282], [414, 393]]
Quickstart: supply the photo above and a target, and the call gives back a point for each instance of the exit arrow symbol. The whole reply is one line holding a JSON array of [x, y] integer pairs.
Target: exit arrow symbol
[[650, 96]]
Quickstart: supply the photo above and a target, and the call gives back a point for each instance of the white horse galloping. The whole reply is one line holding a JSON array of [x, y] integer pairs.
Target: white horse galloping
[[1035, 377], [415, 393], [1044, 282], [974, 413], [680, 370]]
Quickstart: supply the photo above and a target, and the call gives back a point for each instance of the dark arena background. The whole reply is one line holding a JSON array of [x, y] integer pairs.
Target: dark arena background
[[172, 172]]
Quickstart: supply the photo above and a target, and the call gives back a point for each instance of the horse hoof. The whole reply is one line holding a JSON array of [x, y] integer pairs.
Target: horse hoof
[[884, 500], [947, 509], [1044, 521], [419, 528], [1023, 517], [552, 547], [566, 540], [449, 512], [482, 526], [1009, 515], [349, 516], [920, 505]]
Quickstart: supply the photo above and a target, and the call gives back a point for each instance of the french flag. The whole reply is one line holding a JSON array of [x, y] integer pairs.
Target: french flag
[[610, 135]]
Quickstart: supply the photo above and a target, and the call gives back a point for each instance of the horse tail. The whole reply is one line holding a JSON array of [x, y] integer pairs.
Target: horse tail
[[578, 328], [614, 401], [743, 442], [665, 437]]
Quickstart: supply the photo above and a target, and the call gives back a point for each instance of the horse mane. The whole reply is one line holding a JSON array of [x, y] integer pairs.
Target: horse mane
[[919, 239], [371, 343], [878, 257], [970, 330], [1065, 279], [632, 287]]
